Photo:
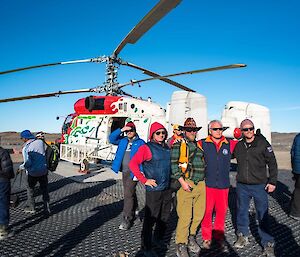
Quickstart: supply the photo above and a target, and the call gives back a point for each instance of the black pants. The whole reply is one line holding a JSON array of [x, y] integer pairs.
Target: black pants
[[32, 181], [295, 204], [130, 198], [157, 212]]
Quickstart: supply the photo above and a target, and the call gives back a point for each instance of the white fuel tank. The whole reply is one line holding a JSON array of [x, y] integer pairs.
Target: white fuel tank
[[234, 112], [184, 105]]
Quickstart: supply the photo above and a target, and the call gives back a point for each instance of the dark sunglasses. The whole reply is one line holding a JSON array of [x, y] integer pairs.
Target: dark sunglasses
[[215, 129], [131, 130], [248, 129], [191, 129], [160, 132]]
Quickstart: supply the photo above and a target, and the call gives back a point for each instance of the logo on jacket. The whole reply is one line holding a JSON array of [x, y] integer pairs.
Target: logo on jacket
[[225, 152], [270, 149]]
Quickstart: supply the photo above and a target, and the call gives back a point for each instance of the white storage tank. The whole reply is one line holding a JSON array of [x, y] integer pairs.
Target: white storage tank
[[187, 104], [235, 111]]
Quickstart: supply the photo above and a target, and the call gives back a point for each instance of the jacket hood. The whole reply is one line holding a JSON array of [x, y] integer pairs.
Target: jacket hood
[[154, 127]]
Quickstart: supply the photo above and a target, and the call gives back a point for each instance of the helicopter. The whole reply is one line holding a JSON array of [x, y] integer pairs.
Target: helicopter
[[85, 132]]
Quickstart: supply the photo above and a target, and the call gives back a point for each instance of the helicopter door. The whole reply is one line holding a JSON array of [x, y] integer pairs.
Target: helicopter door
[[116, 122]]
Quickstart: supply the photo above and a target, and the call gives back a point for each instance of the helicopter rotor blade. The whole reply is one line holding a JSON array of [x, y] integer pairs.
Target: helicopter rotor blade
[[155, 14], [45, 95], [231, 66], [155, 75], [97, 59]]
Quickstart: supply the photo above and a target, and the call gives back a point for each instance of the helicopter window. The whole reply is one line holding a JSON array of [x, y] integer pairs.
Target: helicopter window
[[125, 107], [120, 106], [99, 104], [117, 122]]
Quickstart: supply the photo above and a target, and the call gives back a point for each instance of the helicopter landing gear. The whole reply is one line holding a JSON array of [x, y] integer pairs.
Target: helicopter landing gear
[[84, 166]]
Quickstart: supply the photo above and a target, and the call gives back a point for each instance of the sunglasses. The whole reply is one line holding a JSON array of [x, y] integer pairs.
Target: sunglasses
[[216, 129], [191, 129], [160, 132], [248, 129], [131, 130]]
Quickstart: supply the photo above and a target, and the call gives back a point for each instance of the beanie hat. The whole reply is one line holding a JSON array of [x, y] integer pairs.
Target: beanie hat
[[26, 134], [130, 124], [176, 127], [246, 122]]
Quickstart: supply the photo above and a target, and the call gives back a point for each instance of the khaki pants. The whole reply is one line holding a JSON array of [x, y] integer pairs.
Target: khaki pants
[[190, 211]]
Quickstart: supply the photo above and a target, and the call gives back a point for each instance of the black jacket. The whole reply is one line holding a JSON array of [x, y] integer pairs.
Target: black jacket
[[252, 162], [6, 165]]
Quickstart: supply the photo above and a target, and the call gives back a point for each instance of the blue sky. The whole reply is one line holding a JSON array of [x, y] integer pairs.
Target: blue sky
[[197, 34]]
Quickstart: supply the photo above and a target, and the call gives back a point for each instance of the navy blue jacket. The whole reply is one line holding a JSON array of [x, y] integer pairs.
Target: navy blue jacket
[[295, 155], [116, 138], [6, 166], [159, 167], [217, 163]]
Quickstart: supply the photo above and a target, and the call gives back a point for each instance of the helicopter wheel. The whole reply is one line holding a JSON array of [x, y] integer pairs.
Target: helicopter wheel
[[84, 166]]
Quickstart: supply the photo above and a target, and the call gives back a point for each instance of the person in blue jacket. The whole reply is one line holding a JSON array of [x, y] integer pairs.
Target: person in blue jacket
[[127, 146], [295, 158]]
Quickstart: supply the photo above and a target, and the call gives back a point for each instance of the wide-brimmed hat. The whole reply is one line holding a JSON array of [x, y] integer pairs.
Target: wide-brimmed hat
[[190, 124]]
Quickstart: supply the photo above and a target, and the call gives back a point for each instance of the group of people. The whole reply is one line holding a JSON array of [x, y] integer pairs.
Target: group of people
[[198, 169], [201, 169]]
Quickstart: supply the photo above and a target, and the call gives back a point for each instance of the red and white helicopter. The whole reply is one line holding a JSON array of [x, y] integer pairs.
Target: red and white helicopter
[[85, 132]]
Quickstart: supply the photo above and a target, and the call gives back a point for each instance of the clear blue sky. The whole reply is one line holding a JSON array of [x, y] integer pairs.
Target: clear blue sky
[[197, 34]]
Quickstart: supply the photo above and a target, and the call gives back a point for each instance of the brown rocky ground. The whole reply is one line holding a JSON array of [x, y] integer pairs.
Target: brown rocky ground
[[281, 142]]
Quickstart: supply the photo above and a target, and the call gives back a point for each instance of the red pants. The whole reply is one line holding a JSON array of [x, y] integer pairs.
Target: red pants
[[216, 199]]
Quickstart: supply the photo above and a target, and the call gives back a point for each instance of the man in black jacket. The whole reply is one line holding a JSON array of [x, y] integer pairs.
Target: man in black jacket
[[254, 154], [6, 173]]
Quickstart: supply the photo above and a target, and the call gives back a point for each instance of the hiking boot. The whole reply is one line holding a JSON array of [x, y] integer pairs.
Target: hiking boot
[[125, 225], [29, 209], [269, 250], [3, 232], [241, 241], [206, 244], [47, 210], [192, 244], [182, 251]]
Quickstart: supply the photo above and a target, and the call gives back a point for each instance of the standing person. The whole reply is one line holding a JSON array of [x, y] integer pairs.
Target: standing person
[[36, 170], [127, 147], [254, 153], [177, 135], [217, 155], [188, 167], [6, 174], [295, 157], [155, 159]]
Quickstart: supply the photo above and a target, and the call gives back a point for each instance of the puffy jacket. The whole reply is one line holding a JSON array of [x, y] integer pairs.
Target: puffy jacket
[[159, 167], [252, 162], [217, 163], [117, 139], [295, 155], [6, 166]]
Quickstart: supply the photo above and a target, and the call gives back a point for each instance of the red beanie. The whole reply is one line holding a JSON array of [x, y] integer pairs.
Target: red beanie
[[130, 124]]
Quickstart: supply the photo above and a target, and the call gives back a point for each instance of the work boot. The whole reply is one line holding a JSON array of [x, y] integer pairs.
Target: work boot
[[125, 225], [206, 244], [241, 241], [269, 250], [30, 209], [192, 244], [47, 210], [150, 253], [182, 250]]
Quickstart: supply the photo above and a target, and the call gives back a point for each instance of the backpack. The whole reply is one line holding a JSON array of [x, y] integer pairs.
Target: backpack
[[52, 157]]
